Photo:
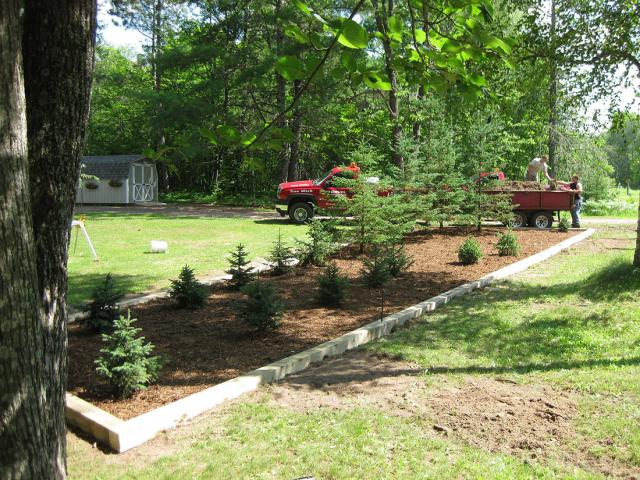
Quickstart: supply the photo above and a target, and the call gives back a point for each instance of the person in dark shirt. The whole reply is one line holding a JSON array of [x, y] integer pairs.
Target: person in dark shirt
[[575, 186]]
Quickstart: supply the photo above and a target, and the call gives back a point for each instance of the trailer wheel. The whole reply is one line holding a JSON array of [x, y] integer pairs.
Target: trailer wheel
[[300, 212], [520, 219], [542, 220]]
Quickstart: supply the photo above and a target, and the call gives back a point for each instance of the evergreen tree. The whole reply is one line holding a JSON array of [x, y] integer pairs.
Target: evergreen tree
[[281, 257], [187, 291], [126, 361], [240, 273], [103, 309], [320, 243]]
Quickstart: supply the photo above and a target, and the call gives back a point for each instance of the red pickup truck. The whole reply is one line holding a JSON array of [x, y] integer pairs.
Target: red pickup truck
[[299, 199]]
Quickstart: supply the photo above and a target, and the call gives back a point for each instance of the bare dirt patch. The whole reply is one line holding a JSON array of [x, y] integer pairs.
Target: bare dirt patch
[[211, 345], [494, 413]]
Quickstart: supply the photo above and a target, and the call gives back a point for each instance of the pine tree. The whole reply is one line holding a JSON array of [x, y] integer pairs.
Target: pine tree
[[126, 361], [186, 290], [320, 244], [332, 286], [376, 215], [281, 257], [240, 273], [103, 309]]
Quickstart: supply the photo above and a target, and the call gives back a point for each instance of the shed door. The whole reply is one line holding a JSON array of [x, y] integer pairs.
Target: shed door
[[143, 182]]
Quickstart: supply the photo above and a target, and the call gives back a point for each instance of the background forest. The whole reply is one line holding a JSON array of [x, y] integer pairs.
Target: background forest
[[410, 86]]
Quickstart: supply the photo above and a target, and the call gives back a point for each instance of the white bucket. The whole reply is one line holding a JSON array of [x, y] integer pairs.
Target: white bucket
[[159, 246]]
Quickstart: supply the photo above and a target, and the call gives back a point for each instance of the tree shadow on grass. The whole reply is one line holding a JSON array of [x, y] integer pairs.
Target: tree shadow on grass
[[81, 285], [551, 331]]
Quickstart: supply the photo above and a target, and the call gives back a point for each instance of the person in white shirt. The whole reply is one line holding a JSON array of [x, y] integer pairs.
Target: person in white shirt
[[535, 166]]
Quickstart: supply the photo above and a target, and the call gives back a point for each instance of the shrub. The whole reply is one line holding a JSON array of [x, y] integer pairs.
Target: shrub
[[397, 260], [103, 309], [470, 251], [240, 273], [332, 286], [375, 268], [281, 257], [126, 361], [186, 290], [263, 308], [563, 224], [320, 244], [508, 245]]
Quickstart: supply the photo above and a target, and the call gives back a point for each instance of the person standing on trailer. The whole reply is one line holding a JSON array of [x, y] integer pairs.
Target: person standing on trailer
[[535, 166], [576, 187]]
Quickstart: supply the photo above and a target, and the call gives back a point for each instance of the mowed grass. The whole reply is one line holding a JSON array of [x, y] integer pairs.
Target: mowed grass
[[123, 246], [572, 322]]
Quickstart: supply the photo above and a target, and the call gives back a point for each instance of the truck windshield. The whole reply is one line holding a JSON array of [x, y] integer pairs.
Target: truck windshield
[[321, 179]]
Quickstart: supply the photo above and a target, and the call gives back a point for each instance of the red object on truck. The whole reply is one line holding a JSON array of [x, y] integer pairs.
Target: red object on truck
[[300, 199]]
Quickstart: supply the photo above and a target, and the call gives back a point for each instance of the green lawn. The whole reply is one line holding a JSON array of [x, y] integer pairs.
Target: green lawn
[[572, 323], [122, 243]]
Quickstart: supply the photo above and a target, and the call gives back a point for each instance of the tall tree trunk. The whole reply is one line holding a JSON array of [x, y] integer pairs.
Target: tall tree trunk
[[281, 97], [416, 123], [296, 127], [382, 14], [553, 94], [636, 257], [156, 45], [42, 122], [25, 451]]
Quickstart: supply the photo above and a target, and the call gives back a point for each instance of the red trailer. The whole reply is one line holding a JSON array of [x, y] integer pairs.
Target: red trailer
[[535, 208]]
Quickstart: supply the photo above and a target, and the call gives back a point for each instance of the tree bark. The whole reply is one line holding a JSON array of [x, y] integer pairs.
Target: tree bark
[[382, 15], [281, 97], [24, 448], [553, 94], [636, 257], [57, 51], [296, 128]]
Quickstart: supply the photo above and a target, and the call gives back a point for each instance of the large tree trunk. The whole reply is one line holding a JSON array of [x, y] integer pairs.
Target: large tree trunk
[[25, 451], [553, 94], [281, 97], [636, 258], [296, 128], [382, 14], [58, 42], [156, 45]]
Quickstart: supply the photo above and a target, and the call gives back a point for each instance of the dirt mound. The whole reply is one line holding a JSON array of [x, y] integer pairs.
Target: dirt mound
[[502, 416]]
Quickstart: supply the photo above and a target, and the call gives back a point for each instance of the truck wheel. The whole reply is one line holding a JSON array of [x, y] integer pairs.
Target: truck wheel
[[542, 220], [519, 219], [300, 212]]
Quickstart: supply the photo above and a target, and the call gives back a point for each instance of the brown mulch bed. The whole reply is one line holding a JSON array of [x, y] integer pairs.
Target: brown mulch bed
[[210, 345]]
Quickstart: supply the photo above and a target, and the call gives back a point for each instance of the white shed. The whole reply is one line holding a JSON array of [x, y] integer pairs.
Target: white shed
[[121, 179]]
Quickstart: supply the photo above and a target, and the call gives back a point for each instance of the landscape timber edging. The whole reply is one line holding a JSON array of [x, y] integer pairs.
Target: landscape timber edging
[[123, 435]]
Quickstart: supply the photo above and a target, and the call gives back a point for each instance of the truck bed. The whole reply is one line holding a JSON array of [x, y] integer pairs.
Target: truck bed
[[546, 200]]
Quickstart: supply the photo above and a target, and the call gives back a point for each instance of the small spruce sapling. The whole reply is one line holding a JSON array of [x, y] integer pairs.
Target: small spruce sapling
[[126, 361], [332, 286], [320, 244], [103, 309], [263, 308], [397, 259], [563, 224], [375, 268], [508, 245], [240, 273], [281, 257], [186, 290], [470, 251]]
